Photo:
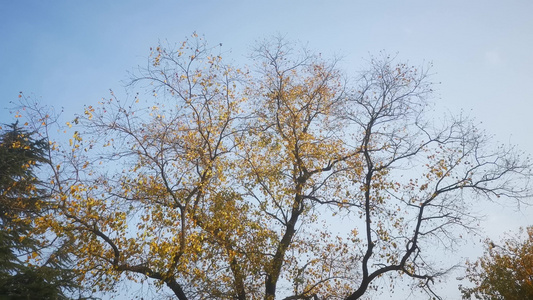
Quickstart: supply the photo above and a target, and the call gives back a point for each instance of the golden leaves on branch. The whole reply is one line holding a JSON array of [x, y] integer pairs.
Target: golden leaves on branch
[[223, 182]]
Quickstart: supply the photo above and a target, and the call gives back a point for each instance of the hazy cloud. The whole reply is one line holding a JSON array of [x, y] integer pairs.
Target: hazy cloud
[[494, 58]]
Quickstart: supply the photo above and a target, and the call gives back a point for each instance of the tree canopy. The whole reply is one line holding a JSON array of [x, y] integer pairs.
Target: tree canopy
[[221, 182], [22, 198], [18, 183], [504, 272]]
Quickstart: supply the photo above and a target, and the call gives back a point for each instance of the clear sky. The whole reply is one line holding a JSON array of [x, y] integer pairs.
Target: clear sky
[[70, 53]]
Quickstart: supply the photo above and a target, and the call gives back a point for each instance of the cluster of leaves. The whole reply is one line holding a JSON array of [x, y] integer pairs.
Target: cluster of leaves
[[504, 272], [221, 182]]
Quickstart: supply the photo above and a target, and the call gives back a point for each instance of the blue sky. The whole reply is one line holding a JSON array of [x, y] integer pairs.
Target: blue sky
[[70, 53]]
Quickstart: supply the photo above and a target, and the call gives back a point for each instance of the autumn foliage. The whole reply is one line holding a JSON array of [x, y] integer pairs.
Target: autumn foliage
[[504, 272], [220, 182]]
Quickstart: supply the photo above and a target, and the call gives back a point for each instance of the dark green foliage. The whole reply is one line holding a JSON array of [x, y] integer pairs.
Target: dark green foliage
[[21, 199], [20, 155], [32, 284]]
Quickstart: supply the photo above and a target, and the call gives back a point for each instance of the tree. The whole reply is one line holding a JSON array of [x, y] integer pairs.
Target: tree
[[504, 272], [222, 182], [21, 199], [18, 183]]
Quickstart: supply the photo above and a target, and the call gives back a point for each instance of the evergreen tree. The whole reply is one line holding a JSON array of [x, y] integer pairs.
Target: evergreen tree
[[21, 199]]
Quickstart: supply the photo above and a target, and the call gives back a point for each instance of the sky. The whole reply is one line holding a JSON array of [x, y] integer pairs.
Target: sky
[[70, 53]]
